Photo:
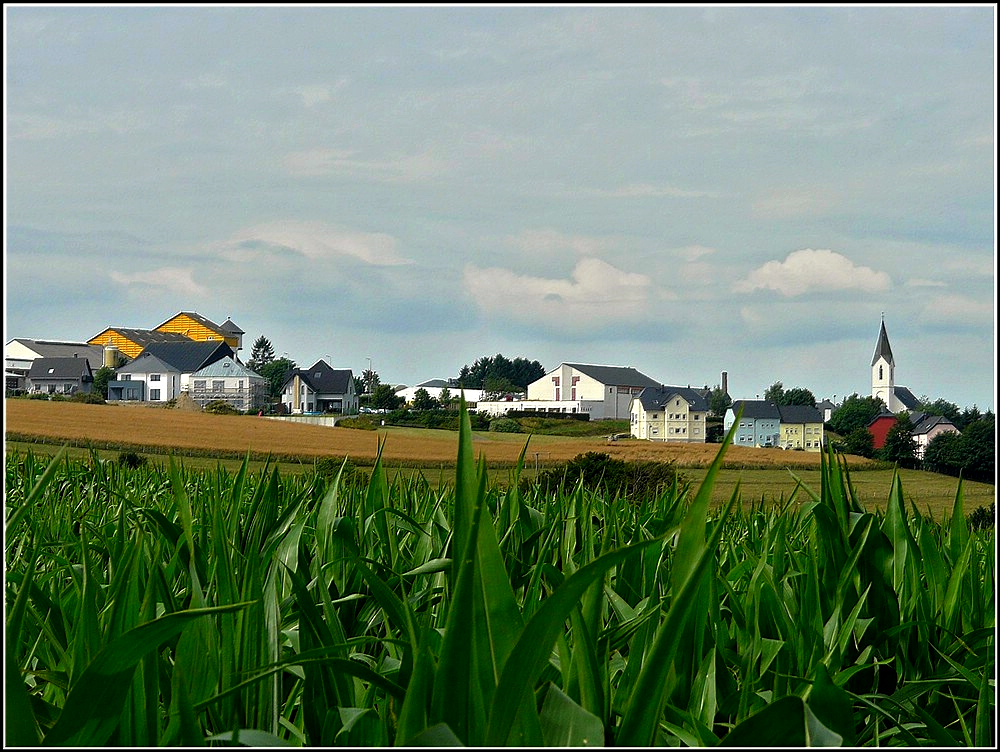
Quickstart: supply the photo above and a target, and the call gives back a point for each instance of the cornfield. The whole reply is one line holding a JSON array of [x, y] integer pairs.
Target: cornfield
[[155, 606]]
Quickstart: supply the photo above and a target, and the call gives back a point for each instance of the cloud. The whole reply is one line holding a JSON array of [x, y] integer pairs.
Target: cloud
[[650, 190], [956, 311], [315, 241], [174, 280], [807, 270], [793, 204], [595, 293], [552, 241]]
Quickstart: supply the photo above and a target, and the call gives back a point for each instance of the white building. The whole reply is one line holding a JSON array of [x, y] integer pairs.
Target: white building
[[228, 381]]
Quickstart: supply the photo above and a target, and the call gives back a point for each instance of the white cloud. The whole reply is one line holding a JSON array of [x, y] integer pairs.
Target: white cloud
[[917, 282], [552, 241], [315, 241], [596, 292], [408, 168], [806, 270], [957, 310], [801, 202], [174, 280]]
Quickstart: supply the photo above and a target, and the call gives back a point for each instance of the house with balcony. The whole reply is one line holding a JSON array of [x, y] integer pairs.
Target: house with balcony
[[669, 413], [162, 370], [319, 389], [229, 381]]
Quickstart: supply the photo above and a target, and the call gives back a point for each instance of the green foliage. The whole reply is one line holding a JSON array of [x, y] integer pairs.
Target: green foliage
[[261, 354], [859, 442], [276, 371], [384, 397], [156, 607], [88, 398], [719, 402], [777, 394], [855, 412], [422, 400], [500, 374], [505, 425], [132, 460], [102, 376], [599, 472], [899, 443], [983, 517], [221, 407]]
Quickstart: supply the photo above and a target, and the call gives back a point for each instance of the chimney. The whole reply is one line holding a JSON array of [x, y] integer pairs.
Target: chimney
[[725, 383]]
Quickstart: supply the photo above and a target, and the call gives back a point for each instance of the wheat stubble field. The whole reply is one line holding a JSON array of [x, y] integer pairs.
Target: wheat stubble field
[[759, 473], [148, 428]]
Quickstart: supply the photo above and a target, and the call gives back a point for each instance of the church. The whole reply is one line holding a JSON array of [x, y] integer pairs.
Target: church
[[896, 398]]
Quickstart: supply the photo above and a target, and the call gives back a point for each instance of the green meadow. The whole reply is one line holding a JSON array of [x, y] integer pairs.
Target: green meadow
[[175, 604]]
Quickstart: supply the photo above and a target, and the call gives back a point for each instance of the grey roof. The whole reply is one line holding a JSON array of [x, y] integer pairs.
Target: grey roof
[[800, 414], [882, 349], [655, 397], [924, 423], [188, 356], [59, 368], [323, 379], [226, 367], [904, 395], [756, 409], [144, 337], [614, 375], [47, 348], [148, 363], [229, 326]]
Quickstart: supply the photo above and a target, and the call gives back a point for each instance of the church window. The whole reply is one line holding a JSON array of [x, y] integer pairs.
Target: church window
[[880, 373]]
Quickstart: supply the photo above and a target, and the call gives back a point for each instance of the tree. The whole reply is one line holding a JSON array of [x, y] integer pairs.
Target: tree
[[422, 400], [944, 453], [775, 393], [719, 402], [276, 371], [370, 380], [855, 412], [383, 397], [860, 442], [519, 372], [261, 354], [899, 444], [978, 445], [798, 396], [102, 376]]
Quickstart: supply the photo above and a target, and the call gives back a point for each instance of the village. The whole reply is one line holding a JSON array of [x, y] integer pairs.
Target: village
[[190, 358]]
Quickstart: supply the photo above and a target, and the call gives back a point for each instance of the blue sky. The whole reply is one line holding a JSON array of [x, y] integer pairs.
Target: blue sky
[[684, 190]]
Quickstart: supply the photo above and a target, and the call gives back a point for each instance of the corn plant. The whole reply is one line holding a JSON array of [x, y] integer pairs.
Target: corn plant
[[150, 605]]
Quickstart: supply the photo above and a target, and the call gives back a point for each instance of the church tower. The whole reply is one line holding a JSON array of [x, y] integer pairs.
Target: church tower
[[883, 371]]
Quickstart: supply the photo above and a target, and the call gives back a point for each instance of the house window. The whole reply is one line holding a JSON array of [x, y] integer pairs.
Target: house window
[[154, 394], [199, 384], [218, 385], [154, 377]]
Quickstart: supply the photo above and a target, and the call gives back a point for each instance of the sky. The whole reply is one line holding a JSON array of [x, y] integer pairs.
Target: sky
[[683, 190]]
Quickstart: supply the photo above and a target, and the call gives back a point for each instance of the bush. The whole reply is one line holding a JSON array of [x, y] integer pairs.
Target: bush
[[132, 460], [327, 468], [601, 472], [221, 407], [89, 398], [983, 517], [505, 425]]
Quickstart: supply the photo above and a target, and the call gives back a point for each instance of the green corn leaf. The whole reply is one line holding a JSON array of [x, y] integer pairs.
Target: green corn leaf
[[95, 701], [20, 728], [438, 735], [534, 646], [250, 738], [566, 724]]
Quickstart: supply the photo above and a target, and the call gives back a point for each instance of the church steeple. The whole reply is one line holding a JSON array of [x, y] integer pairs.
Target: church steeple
[[883, 370], [882, 349]]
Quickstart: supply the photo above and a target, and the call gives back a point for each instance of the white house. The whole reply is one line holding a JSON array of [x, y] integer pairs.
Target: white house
[[669, 413], [20, 352], [163, 369], [602, 392], [434, 388], [228, 381]]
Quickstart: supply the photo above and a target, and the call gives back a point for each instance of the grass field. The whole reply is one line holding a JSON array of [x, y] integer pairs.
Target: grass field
[[205, 439]]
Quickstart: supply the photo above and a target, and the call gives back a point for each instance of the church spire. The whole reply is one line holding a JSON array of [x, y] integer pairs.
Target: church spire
[[882, 349]]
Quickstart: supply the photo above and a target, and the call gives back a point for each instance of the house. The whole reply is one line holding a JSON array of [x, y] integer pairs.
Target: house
[[185, 326], [801, 427], [59, 376], [229, 381], [669, 413], [319, 389], [130, 342], [20, 353], [602, 392], [925, 428], [766, 424], [200, 329], [826, 407], [759, 425], [434, 388], [164, 369], [895, 398]]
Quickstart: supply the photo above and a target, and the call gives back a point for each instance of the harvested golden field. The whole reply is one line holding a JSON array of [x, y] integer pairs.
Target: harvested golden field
[[149, 429]]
